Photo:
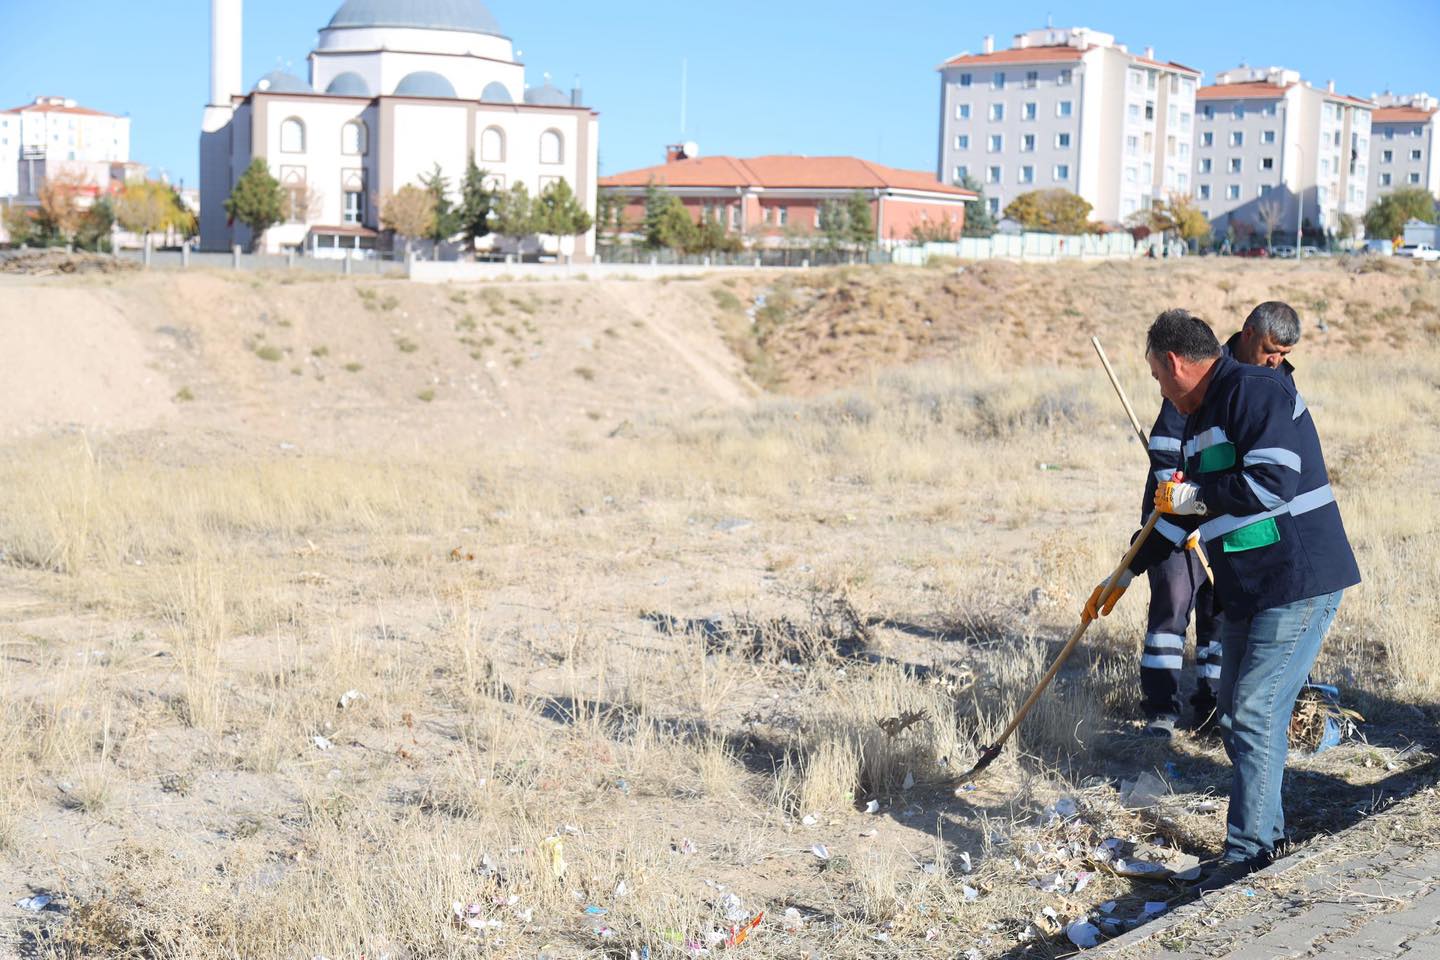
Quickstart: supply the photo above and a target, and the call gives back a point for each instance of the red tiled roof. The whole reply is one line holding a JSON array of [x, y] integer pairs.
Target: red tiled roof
[[1051, 54], [57, 108], [1255, 90], [1401, 115], [780, 172], [1346, 98], [1168, 65]]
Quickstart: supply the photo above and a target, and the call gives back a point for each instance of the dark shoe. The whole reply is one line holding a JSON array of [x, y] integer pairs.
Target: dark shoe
[[1161, 728], [1220, 873]]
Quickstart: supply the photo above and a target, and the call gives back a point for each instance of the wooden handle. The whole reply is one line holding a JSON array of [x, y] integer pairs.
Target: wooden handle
[[1115, 382]]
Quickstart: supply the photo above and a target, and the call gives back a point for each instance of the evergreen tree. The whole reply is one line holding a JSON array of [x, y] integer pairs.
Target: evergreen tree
[[515, 213], [477, 202], [558, 211], [657, 204], [834, 223], [256, 201], [859, 225], [978, 221], [677, 228], [447, 221]]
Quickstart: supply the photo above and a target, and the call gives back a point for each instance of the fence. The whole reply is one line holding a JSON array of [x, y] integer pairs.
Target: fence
[[758, 257], [1023, 246], [173, 259]]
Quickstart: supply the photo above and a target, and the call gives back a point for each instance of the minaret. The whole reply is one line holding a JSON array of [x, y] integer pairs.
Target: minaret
[[225, 67]]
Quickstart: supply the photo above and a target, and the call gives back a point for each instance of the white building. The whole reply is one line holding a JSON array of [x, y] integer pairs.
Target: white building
[[55, 133], [1404, 151], [1068, 108], [1268, 142], [396, 87]]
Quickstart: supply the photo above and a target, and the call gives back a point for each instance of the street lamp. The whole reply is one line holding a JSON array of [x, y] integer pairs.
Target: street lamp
[[1300, 200]]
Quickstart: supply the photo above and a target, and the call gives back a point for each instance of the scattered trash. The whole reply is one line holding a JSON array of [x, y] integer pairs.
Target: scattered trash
[[36, 903], [733, 908], [1172, 770], [792, 922], [1204, 806], [570, 831], [1107, 907], [909, 781], [932, 934], [1146, 791], [821, 851], [554, 850], [968, 788], [739, 934], [873, 806], [1248, 891], [1318, 721], [1083, 934], [965, 865], [603, 932], [1082, 880], [1055, 883], [869, 833], [686, 846], [621, 890], [930, 868], [595, 911], [1153, 908], [471, 916], [1065, 808], [969, 893], [809, 820], [321, 742], [349, 697], [732, 524]]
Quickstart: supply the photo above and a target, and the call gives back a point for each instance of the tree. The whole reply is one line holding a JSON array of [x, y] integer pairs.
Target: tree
[[410, 212], [610, 215], [558, 211], [933, 231], [477, 202], [676, 228], [859, 225], [978, 221], [712, 237], [515, 213], [257, 200], [149, 206], [834, 223], [20, 223], [1051, 211], [657, 203], [1186, 219], [60, 210], [1269, 212], [96, 226], [1347, 227], [446, 221], [1386, 218]]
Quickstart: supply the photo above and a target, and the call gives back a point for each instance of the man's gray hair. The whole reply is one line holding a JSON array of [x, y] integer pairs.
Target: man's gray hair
[[1276, 320]]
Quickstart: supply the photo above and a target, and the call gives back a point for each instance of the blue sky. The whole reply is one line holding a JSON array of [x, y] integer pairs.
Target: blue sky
[[784, 76]]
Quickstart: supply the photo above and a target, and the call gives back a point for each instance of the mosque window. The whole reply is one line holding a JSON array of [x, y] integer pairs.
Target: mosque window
[[354, 140], [552, 147], [492, 145], [292, 136]]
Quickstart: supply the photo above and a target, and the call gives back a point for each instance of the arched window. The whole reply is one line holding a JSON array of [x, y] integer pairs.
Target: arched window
[[552, 148], [292, 136], [354, 139], [492, 145]]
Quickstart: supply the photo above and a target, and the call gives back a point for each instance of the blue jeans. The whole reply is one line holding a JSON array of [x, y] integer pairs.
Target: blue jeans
[[1264, 662]]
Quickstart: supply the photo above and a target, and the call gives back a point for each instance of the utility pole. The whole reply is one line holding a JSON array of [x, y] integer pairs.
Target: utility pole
[[1300, 198]]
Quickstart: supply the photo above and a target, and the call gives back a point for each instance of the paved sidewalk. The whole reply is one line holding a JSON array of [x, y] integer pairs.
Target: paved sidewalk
[[1358, 895]]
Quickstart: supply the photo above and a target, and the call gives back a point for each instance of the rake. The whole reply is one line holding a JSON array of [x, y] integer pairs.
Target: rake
[[989, 753]]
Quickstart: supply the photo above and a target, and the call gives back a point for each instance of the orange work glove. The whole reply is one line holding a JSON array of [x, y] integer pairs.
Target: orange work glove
[[1093, 608], [1179, 497]]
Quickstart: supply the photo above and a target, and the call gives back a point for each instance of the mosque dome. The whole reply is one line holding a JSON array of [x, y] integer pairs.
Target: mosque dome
[[547, 95], [424, 83], [349, 84], [496, 92], [470, 16], [278, 81]]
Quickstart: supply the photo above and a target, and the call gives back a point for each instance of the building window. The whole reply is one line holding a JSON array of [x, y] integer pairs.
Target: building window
[[962, 141], [292, 136], [1267, 136], [1238, 111], [353, 139], [994, 204], [997, 142], [1172, 115], [1029, 111], [1384, 179], [962, 111], [1062, 171], [1386, 156], [492, 145], [1204, 191], [1062, 141], [997, 81], [961, 172], [1027, 173], [1027, 143], [552, 147], [992, 173], [1170, 145], [1063, 108], [1208, 112], [1137, 79], [1267, 163], [964, 79], [1187, 86], [1065, 78], [1149, 109], [997, 111], [735, 216], [354, 207], [297, 198], [1132, 146], [1389, 133], [1174, 83], [784, 216], [1324, 166], [1149, 79], [1184, 150], [1234, 164], [1413, 178], [1414, 154], [1185, 119], [1134, 112], [1032, 78], [1415, 131], [1132, 175], [1237, 138], [1232, 192]]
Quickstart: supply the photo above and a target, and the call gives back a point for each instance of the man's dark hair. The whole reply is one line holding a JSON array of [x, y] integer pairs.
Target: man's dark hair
[[1277, 320], [1180, 333]]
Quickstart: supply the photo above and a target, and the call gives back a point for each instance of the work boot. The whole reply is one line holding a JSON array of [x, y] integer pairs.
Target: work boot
[[1220, 873]]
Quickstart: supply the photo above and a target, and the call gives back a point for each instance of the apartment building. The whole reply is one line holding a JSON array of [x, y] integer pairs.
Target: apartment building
[[1267, 142], [57, 133], [1070, 109], [1403, 147]]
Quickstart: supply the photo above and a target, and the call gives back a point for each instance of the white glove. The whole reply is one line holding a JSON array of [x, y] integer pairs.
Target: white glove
[[1179, 497]]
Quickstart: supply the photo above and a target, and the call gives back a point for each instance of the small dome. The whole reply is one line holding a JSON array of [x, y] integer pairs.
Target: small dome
[[349, 84], [547, 95], [470, 16], [278, 81], [496, 92], [424, 83]]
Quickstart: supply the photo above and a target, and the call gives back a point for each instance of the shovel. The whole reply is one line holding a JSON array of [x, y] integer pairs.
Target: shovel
[[988, 754]]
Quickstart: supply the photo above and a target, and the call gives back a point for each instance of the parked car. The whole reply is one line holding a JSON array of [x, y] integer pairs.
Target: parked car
[[1312, 251], [1253, 252], [1418, 251], [1282, 250]]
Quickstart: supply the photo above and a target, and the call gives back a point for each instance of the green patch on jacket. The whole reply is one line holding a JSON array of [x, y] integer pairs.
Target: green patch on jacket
[[1261, 533]]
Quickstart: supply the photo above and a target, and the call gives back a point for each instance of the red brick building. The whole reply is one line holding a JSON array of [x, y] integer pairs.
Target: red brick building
[[775, 197]]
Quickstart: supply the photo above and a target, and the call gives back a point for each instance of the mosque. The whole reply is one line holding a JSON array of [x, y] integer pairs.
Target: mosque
[[396, 86]]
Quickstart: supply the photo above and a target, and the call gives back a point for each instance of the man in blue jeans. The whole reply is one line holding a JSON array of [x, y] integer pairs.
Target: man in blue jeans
[[1253, 483]]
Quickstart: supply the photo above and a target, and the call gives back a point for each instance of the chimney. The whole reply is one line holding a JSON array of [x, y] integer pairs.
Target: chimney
[[1149, 53], [1022, 41], [988, 46], [576, 99], [674, 152], [1330, 86], [225, 67]]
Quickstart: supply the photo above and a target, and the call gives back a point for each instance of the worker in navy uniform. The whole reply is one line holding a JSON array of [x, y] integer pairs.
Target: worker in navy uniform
[[1253, 484], [1178, 584]]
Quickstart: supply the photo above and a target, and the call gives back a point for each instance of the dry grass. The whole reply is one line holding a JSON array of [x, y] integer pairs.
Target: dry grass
[[305, 705]]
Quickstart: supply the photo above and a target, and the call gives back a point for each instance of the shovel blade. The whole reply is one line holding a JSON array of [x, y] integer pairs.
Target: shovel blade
[[987, 757]]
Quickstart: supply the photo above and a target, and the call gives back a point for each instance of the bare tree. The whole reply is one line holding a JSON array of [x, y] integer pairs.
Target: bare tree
[[1269, 212], [60, 208]]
